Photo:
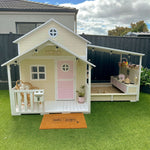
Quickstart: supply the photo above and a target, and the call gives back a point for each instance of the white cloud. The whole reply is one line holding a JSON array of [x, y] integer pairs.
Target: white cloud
[[46, 2], [99, 16]]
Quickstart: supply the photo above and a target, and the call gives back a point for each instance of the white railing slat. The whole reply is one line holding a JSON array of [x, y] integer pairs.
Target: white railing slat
[[25, 101], [31, 101], [19, 101]]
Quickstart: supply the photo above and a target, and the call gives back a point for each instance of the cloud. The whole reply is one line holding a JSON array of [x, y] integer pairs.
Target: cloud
[[99, 16]]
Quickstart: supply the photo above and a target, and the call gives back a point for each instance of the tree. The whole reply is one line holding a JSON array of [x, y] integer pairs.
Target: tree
[[135, 27], [139, 27], [119, 31]]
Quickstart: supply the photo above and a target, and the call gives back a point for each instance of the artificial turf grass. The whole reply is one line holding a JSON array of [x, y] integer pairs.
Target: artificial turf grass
[[111, 126]]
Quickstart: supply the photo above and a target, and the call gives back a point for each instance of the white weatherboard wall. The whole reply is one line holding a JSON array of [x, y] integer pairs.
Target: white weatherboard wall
[[66, 38], [49, 84], [8, 19]]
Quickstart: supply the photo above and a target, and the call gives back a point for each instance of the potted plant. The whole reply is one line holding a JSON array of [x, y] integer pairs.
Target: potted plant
[[145, 80], [81, 94]]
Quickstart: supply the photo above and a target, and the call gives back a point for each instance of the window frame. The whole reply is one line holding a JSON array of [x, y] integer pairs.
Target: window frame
[[35, 23], [51, 34], [38, 73], [66, 67]]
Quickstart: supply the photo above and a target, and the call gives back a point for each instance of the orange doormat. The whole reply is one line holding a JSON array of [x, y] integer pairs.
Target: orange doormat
[[63, 121]]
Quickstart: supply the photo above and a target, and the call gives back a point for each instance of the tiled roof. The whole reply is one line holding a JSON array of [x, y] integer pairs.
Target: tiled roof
[[25, 5]]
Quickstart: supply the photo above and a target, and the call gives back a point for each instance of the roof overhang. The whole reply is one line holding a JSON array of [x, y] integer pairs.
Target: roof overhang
[[30, 6], [29, 52], [40, 10], [114, 51]]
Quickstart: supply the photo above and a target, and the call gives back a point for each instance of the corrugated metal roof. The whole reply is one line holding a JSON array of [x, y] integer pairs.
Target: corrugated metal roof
[[24, 5], [147, 34]]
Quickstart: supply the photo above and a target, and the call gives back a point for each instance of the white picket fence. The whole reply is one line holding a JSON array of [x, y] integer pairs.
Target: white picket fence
[[22, 101]]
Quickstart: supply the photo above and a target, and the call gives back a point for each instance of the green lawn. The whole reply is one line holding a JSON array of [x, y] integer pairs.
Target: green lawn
[[111, 126]]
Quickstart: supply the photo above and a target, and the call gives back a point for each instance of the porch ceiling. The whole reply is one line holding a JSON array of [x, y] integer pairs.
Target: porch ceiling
[[114, 51]]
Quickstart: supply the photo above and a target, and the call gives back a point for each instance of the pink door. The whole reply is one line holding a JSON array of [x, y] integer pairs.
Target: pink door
[[65, 80]]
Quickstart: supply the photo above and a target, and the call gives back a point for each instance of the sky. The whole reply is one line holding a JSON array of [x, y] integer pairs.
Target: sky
[[99, 16]]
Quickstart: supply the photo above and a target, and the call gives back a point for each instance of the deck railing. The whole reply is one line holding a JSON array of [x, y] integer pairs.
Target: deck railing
[[23, 101]]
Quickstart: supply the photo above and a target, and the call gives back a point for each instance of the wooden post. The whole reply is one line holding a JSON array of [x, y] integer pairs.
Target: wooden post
[[139, 79], [120, 69], [89, 92], [10, 89], [9, 77], [120, 57]]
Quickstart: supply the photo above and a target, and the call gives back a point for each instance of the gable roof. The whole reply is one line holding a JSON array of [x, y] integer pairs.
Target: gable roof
[[53, 42], [34, 30], [25, 5]]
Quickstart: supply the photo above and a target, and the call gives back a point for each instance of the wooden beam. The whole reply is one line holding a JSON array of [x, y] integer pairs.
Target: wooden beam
[[10, 87], [139, 79], [120, 57], [89, 92], [9, 77]]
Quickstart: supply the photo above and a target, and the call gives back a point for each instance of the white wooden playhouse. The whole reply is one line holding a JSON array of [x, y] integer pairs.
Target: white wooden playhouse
[[53, 65]]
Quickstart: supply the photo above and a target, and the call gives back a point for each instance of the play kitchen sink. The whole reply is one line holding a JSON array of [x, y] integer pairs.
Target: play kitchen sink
[[38, 95]]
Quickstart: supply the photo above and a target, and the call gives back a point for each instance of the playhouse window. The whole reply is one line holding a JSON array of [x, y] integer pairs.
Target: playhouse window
[[53, 32], [38, 72], [65, 67]]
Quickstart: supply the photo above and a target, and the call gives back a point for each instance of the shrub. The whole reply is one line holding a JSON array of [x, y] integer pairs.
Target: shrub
[[145, 77]]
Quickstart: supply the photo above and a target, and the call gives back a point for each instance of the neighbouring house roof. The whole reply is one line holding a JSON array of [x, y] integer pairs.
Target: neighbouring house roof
[[34, 30], [25, 54], [114, 51], [137, 34], [25, 5]]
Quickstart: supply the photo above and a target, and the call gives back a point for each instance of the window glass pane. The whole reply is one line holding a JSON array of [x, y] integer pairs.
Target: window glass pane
[[65, 67], [53, 32], [34, 69], [34, 76], [41, 76], [23, 28], [41, 69]]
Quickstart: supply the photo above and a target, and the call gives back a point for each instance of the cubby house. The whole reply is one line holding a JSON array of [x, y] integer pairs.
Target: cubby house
[[53, 66]]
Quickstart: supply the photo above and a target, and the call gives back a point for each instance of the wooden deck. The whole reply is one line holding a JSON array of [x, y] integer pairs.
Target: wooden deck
[[99, 92], [53, 107], [65, 107]]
